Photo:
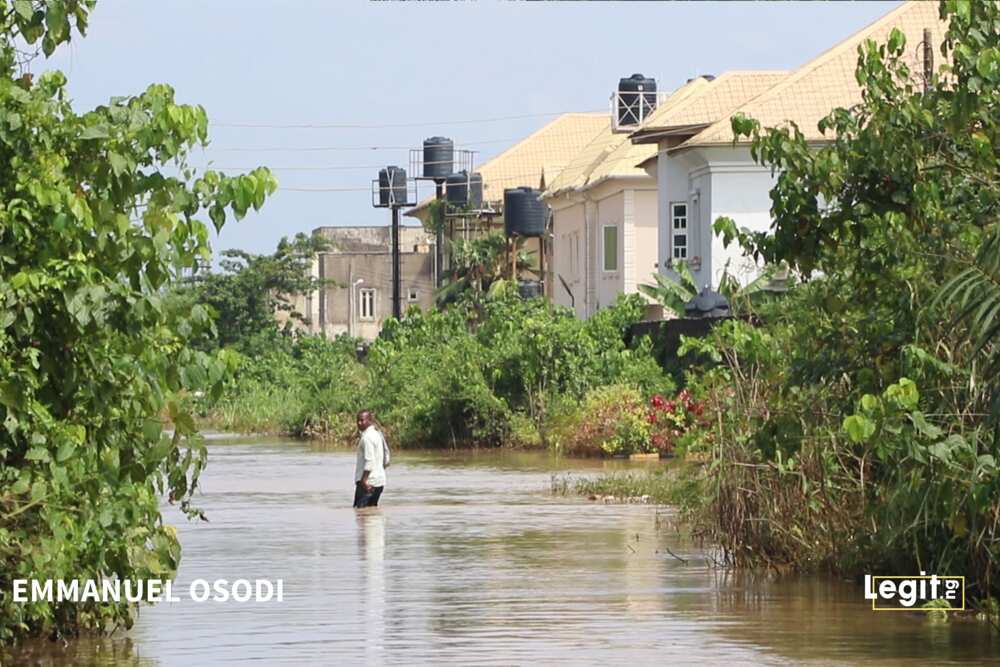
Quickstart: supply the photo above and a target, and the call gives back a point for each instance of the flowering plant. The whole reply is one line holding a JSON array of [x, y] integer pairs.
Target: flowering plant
[[670, 419]]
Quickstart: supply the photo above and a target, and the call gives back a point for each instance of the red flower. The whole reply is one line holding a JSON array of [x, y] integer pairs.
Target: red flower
[[656, 401], [651, 418]]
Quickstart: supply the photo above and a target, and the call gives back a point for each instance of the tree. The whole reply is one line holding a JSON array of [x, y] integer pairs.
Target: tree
[[92, 357], [251, 289], [478, 263], [863, 408]]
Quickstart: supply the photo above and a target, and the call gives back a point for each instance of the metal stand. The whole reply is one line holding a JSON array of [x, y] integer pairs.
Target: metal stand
[[439, 238], [397, 303]]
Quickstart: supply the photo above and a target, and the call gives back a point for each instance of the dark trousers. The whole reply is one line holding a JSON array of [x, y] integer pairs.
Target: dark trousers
[[364, 498]]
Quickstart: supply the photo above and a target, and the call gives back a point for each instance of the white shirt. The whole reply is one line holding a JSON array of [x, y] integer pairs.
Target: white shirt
[[371, 457]]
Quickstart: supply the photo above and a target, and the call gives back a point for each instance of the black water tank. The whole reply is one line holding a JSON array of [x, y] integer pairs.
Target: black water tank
[[524, 212], [464, 189], [476, 190], [439, 157], [636, 99], [530, 289], [707, 303], [391, 186]]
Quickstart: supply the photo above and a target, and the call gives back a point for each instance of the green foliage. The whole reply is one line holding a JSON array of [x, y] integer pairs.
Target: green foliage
[[93, 359], [612, 419], [482, 371], [300, 385], [852, 432], [251, 289], [673, 295], [478, 263]]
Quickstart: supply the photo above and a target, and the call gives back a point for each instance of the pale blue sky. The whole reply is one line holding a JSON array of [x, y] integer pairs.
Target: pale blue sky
[[353, 62]]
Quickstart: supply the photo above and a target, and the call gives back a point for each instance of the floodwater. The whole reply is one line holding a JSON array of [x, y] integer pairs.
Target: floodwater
[[471, 560]]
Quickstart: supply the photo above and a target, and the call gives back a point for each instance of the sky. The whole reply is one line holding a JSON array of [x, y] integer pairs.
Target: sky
[[443, 68]]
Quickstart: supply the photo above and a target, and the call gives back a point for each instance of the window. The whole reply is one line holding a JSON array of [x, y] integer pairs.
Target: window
[[412, 295], [611, 247], [679, 230], [366, 304]]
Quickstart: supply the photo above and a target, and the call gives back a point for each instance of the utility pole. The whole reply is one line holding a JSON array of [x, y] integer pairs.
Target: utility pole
[[390, 190], [397, 303]]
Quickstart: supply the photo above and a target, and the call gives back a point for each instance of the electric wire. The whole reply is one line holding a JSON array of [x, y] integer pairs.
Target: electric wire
[[383, 126]]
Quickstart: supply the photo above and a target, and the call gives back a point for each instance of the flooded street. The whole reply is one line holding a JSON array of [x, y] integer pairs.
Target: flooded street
[[470, 560]]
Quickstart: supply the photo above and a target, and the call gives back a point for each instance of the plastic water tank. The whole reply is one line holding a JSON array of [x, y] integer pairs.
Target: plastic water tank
[[530, 289], [636, 99], [524, 212], [439, 157], [391, 186], [464, 189]]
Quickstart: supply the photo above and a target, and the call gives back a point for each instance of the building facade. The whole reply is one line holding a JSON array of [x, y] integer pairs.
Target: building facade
[[358, 265]]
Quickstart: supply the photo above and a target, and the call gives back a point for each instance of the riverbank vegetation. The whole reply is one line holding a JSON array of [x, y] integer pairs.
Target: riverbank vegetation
[[487, 370], [857, 430], [93, 230]]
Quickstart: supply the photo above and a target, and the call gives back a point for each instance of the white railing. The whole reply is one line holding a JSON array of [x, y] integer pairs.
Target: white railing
[[631, 108]]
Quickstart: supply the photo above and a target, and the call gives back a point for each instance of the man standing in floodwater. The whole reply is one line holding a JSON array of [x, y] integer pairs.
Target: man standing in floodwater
[[373, 457]]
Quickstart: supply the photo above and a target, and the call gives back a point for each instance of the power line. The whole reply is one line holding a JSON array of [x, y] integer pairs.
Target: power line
[[358, 126], [354, 148]]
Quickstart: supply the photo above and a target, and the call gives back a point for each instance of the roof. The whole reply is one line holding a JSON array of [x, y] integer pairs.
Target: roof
[[611, 154], [827, 82], [707, 103], [547, 150]]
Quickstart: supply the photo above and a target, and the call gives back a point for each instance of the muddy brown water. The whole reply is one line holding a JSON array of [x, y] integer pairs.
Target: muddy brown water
[[471, 560]]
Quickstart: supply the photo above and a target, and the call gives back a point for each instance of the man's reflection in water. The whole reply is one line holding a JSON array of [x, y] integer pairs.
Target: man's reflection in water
[[371, 558]]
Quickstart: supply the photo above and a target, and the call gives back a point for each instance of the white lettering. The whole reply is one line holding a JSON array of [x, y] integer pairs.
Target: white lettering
[[20, 590], [221, 590], [90, 592], [111, 590], [154, 590], [887, 589], [908, 592], [199, 590], [68, 592], [242, 597], [133, 590], [281, 590], [869, 588], [170, 597], [259, 584], [41, 590]]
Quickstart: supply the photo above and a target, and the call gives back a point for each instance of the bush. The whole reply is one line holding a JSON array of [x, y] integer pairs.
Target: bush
[[611, 420]]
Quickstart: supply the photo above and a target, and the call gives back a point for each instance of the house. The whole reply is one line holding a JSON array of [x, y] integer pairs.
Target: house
[[604, 216], [359, 264], [530, 162], [702, 175]]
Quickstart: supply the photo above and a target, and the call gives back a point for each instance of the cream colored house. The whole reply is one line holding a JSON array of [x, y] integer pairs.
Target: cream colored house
[[604, 226], [701, 175]]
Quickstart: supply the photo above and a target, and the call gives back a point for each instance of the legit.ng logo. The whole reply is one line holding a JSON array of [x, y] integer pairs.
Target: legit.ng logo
[[921, 592]]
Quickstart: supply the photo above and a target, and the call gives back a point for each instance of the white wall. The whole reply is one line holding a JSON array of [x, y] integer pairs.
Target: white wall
[[647, 234], [609, 284], [740, 190], [715, 182], [569, 255]]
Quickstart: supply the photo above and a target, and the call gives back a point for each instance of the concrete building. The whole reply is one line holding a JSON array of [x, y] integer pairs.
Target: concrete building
[[703, 171], [604, 226], [359, 262]]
